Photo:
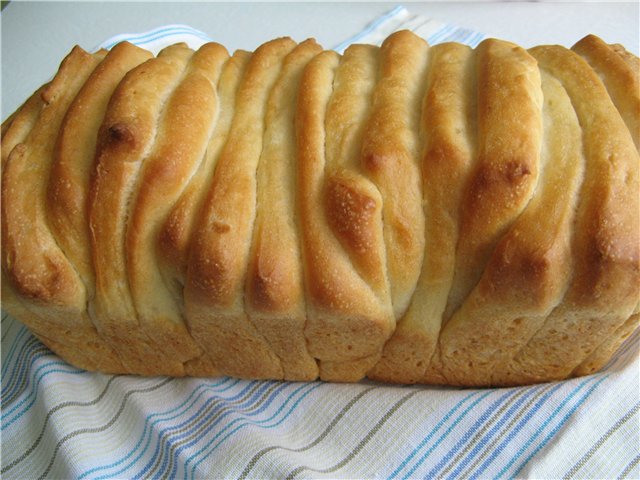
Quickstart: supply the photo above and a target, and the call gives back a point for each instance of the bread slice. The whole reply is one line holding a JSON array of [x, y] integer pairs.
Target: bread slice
[[274, 294], [604, 289], [35, 269], [218, 258], [125, 140]]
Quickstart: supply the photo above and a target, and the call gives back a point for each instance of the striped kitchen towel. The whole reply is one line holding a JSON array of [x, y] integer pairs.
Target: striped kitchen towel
[[62, 422], [432, 30], [399, 18], [158, 38]]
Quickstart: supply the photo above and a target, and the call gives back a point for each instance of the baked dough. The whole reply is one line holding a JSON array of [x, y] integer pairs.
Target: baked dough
[[409, 213]]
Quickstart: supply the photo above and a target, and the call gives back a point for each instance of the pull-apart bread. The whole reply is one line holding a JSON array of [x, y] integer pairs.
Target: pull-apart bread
[[408, 213]]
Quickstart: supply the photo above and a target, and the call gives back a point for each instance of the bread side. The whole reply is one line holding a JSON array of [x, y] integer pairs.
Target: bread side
[[530, 267], [604, 289]]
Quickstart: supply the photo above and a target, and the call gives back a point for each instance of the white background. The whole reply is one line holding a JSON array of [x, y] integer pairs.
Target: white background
[[37, 35]]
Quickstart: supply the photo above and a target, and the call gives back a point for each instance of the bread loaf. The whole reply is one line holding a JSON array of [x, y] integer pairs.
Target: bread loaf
[[409, 213]]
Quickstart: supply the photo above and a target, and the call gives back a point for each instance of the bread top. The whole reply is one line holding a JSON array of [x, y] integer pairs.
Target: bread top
[[475, 200]]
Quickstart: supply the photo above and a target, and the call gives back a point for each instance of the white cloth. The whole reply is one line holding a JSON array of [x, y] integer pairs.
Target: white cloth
[[62, 422]]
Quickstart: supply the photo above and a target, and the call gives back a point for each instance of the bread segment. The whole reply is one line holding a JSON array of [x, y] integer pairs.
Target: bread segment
[[530, 268], [73, 163], [275, 291], [34, 268], [183, 132], [126, 138], [620, 73], [509, 141], [352, 203], [218, 258], [348, 305], [449, 131], [391, 147], [176, 233], [604, 290], [509, 126]]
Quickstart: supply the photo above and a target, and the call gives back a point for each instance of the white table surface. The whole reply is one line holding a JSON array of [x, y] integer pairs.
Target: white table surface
[[37, 35]]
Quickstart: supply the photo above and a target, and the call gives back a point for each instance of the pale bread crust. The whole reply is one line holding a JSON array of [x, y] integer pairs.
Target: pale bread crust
[[413, 214]]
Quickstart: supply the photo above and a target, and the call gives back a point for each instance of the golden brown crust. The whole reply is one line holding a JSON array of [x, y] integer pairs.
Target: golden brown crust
[[603, 353], [390, 150], [347, 322], [73, 344], [509, 137], [530, 268], [175, 235], [413, 214], [33, 265], [509, 124], [74, 155], [352, 203], [183, 132], [16, 128]]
